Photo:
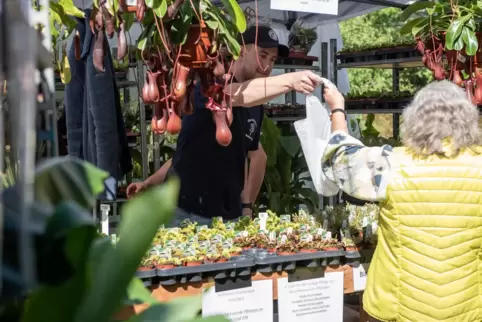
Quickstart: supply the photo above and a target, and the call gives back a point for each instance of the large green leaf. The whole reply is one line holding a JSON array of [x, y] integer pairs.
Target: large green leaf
[[178, 310], [270, 140], [128, 18], [145, 38], [70, 8], [407, 28], [454, 31], [137, 292], [415, 7], [291, 144], [180, 27], [160, 8], [141, 218], [470, 40], [236, 14], [68, 178]]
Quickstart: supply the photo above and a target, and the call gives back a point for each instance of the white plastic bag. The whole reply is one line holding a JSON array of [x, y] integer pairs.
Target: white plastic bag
[[314, 132]]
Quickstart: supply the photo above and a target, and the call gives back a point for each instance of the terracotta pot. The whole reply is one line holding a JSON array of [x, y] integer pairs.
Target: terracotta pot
[[235, 254], [351, 249], [144, 268], [285, 253], [196, 263], [330, 249], [165, 266], [195, 55], [246, 248], [222, 260], [303, 250], [272, 250]]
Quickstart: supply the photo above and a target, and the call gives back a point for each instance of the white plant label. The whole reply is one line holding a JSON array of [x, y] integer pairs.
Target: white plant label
[[327, 7], [318, 299], [263, 217], [251, 304], [360, 277]]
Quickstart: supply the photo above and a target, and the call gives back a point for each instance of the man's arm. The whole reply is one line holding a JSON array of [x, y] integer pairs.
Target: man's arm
[[160, 175], [255, 174], [262, 90]]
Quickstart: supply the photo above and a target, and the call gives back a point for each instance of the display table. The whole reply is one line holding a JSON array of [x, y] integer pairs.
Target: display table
[[168, 292]]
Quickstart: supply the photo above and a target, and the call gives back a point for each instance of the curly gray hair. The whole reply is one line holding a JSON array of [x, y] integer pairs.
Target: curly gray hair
[[438, 111]]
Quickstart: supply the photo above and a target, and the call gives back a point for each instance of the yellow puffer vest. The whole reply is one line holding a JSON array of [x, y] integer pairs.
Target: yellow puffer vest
[[428, 262]]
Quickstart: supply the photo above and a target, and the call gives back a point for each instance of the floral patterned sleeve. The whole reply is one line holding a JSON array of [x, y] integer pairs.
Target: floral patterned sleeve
[[358, 170]]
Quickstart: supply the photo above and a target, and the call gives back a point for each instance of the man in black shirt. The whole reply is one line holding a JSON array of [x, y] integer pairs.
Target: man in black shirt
[[213, 181]]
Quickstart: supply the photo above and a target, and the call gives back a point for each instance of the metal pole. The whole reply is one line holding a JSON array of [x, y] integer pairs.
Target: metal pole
[[21, 63], [333, 62], [2, 127], [396, 89]]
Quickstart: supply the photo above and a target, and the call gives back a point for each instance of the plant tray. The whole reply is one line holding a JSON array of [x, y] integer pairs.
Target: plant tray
[[353, 258], [402, 56], [297, 60], [267, 263], [236, 266], [366, 105], [147, 273]]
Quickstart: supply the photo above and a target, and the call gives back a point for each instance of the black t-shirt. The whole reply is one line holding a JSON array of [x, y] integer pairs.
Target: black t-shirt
[[212, 176]]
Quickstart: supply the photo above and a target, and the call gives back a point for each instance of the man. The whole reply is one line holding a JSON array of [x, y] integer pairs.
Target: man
[[212, 176]]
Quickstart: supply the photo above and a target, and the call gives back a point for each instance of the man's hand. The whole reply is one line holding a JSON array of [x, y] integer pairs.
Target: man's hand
[[304, 82], [248, 212], [134, 188], [333, 97]]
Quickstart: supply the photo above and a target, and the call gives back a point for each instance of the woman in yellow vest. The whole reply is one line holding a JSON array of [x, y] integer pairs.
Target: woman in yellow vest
[[428, 262]]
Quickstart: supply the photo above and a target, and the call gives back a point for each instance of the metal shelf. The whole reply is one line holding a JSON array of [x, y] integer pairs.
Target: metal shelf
[[395, 57]]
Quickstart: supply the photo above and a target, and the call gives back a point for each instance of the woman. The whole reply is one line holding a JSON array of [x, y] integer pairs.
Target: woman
[[428, 262]]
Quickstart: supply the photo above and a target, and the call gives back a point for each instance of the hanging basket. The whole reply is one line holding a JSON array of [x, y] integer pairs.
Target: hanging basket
[[194, 53]]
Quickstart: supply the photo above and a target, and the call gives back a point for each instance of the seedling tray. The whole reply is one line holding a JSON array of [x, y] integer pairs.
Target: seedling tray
[[268, 262], [147, 273], [235, 266]]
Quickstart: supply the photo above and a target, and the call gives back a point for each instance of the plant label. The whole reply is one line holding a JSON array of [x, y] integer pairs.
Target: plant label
[[285, 218], [328, 235], [327, 7], [325, 224], [365, 222], [317, 299], [263, 218], [360, 277], [250, 304]]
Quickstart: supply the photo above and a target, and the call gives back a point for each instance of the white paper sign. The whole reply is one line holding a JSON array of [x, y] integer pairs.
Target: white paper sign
[[360, 277], [318, 299], [328, 7], [251, 304]]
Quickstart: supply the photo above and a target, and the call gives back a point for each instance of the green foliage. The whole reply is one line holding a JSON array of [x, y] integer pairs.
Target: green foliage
[[286, 171], [81, 276], [379, 29]]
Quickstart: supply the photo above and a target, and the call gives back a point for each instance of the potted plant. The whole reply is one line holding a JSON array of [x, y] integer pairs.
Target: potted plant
[[349, 245], [452, 30], [301, 39], [330, 245], [165, 263], [307, 247], [287, 248], [147, 263]]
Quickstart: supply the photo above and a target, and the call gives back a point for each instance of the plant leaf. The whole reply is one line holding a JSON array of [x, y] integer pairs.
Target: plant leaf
[[136, 291], [454, 31], [70, 8], [69, 178], [141, 218], [178, 310], [213, 25], [414, 7], [470, 40], [419, 27], [150, 3], [269, 139], [236, 14], [180, 27], [161, 9], [128, 18], [407, 27]]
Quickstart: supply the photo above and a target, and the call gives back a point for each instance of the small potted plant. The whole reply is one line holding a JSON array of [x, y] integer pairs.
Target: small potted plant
[[192, 260], [147, 263], [271, 247], [301, 39], [349, 245], [225, 256], [307, 246], [212, 257], [286, 248], [235, 251], [330, 245], [165, 263]]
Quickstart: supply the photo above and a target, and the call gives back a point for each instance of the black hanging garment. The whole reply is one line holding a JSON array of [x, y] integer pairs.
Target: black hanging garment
[[95, 126]]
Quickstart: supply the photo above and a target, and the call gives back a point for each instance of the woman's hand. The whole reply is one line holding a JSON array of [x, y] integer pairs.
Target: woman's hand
[[333, 97]]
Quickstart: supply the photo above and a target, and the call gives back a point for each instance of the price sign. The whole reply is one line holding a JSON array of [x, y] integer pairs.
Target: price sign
[[317, 299], [327, 7], [251, 304], [360, 277]]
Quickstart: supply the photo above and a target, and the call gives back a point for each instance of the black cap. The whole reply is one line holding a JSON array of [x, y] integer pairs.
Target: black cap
[[267, 38]]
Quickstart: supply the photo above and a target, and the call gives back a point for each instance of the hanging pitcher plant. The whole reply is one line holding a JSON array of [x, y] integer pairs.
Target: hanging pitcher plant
[[448, 35]]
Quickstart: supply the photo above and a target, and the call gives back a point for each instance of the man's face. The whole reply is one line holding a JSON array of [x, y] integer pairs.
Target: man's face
[[262, 67]]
